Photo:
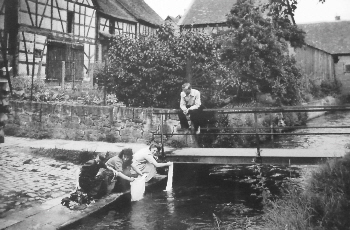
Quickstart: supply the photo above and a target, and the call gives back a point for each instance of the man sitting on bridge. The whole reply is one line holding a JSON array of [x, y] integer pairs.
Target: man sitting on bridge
[[190, 104]]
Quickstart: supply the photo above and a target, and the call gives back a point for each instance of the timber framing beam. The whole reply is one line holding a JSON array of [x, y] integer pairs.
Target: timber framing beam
[[56, 35]]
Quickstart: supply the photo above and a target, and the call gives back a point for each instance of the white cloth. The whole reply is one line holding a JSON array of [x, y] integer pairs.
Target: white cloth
[[169, 185], [137, 188]]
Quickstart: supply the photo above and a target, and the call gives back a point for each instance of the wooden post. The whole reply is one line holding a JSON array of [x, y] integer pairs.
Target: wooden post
[[33, 71], [38, 75], [271, 126], [73, 71], [105, 83], [63, 74], [161, 136], [256, 134], [91, 74]]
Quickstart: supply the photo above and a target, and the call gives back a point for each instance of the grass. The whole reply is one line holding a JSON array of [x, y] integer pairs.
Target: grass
[[324, 204]]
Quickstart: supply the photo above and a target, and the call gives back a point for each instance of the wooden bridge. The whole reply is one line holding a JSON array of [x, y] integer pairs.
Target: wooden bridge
[[249, 156], [258, 155]]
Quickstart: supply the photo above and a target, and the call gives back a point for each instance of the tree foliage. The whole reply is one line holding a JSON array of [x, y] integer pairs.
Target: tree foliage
[[256, 50], [150, 70]]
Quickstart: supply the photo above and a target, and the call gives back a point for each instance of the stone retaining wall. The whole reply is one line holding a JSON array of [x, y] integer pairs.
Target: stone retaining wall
[[92, 123]]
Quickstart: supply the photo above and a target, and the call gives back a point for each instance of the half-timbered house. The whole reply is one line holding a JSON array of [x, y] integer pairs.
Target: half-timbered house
[[42, 34], [51, 38], [132, 18]]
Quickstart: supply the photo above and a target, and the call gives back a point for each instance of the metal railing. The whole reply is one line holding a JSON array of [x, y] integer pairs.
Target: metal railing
[[255, 128]]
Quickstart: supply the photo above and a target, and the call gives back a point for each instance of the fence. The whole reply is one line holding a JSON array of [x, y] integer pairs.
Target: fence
[[255, 129]]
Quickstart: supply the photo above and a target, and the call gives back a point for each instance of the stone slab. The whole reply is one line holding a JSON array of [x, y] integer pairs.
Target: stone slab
[[52, 215]]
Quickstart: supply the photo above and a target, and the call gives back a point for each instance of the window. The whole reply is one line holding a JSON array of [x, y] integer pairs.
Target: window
[[347, 68], [70, 20], [37, 53], [111, 27]]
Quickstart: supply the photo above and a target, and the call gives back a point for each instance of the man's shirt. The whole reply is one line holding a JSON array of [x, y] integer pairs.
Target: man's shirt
[[193, 100], [91, 168]]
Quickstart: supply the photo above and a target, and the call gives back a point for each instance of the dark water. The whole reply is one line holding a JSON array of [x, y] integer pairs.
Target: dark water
[[208, 196], [203, 197]]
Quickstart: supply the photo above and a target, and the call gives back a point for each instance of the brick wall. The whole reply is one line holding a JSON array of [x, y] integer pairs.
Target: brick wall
[[93, 123]]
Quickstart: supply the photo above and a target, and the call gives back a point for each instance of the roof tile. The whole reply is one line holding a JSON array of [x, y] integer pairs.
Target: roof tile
[[207, 12], [114, 9], [142, 11], [332, 37]]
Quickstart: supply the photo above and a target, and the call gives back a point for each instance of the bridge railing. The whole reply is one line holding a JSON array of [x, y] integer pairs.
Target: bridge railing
[[255, 128]]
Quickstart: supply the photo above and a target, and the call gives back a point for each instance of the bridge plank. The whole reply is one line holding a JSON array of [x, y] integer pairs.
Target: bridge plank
[[248, 155]]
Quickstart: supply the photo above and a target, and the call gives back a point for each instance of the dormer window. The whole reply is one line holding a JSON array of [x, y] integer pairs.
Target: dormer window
[[70, 21]]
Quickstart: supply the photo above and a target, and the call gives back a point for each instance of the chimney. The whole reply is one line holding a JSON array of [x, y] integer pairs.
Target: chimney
[[337, 18]]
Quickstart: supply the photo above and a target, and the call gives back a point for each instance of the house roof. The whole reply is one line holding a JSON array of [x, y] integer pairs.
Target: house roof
[[115, 9], [141, 11], [207, 12], [332, 37], [174, 19]]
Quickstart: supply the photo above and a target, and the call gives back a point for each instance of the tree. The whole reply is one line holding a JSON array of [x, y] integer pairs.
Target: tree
[[150, 70], [256, 50]]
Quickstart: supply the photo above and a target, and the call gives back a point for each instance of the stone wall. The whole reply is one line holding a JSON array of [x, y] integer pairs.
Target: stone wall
[[92, 123]]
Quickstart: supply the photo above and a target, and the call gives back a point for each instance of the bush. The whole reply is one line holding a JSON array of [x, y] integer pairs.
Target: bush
[[81, 94], [326, 88], [330, 88], [324, 204]]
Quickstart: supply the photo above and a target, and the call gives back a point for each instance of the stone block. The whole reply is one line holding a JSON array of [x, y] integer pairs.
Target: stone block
[[92, 111], [78, 111], [139, 113], [136, 133], [46, 108], [125, 113], [92, 135], [66, 110], [126, 132], [87, 121], [75, 119], [54, 118], [66, 124], [101, 137], [36, 107], [27, 106], [57, 108], [58, 133], [36, 118], [70, 134], [79, 134], [20, 106]]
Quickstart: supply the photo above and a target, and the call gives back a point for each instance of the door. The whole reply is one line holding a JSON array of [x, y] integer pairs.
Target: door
[[72, 55]]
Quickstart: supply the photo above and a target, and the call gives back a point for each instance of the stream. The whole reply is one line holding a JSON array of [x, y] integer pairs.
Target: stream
[[213, 196]]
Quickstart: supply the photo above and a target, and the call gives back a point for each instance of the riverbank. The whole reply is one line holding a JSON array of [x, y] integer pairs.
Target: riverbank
[[33, 185]]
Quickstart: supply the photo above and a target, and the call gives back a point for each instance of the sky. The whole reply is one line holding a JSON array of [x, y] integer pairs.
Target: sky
[[308, 11]]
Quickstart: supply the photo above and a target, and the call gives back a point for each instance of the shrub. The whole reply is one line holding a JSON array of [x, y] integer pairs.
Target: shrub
[[324, 204], [330, 88]]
